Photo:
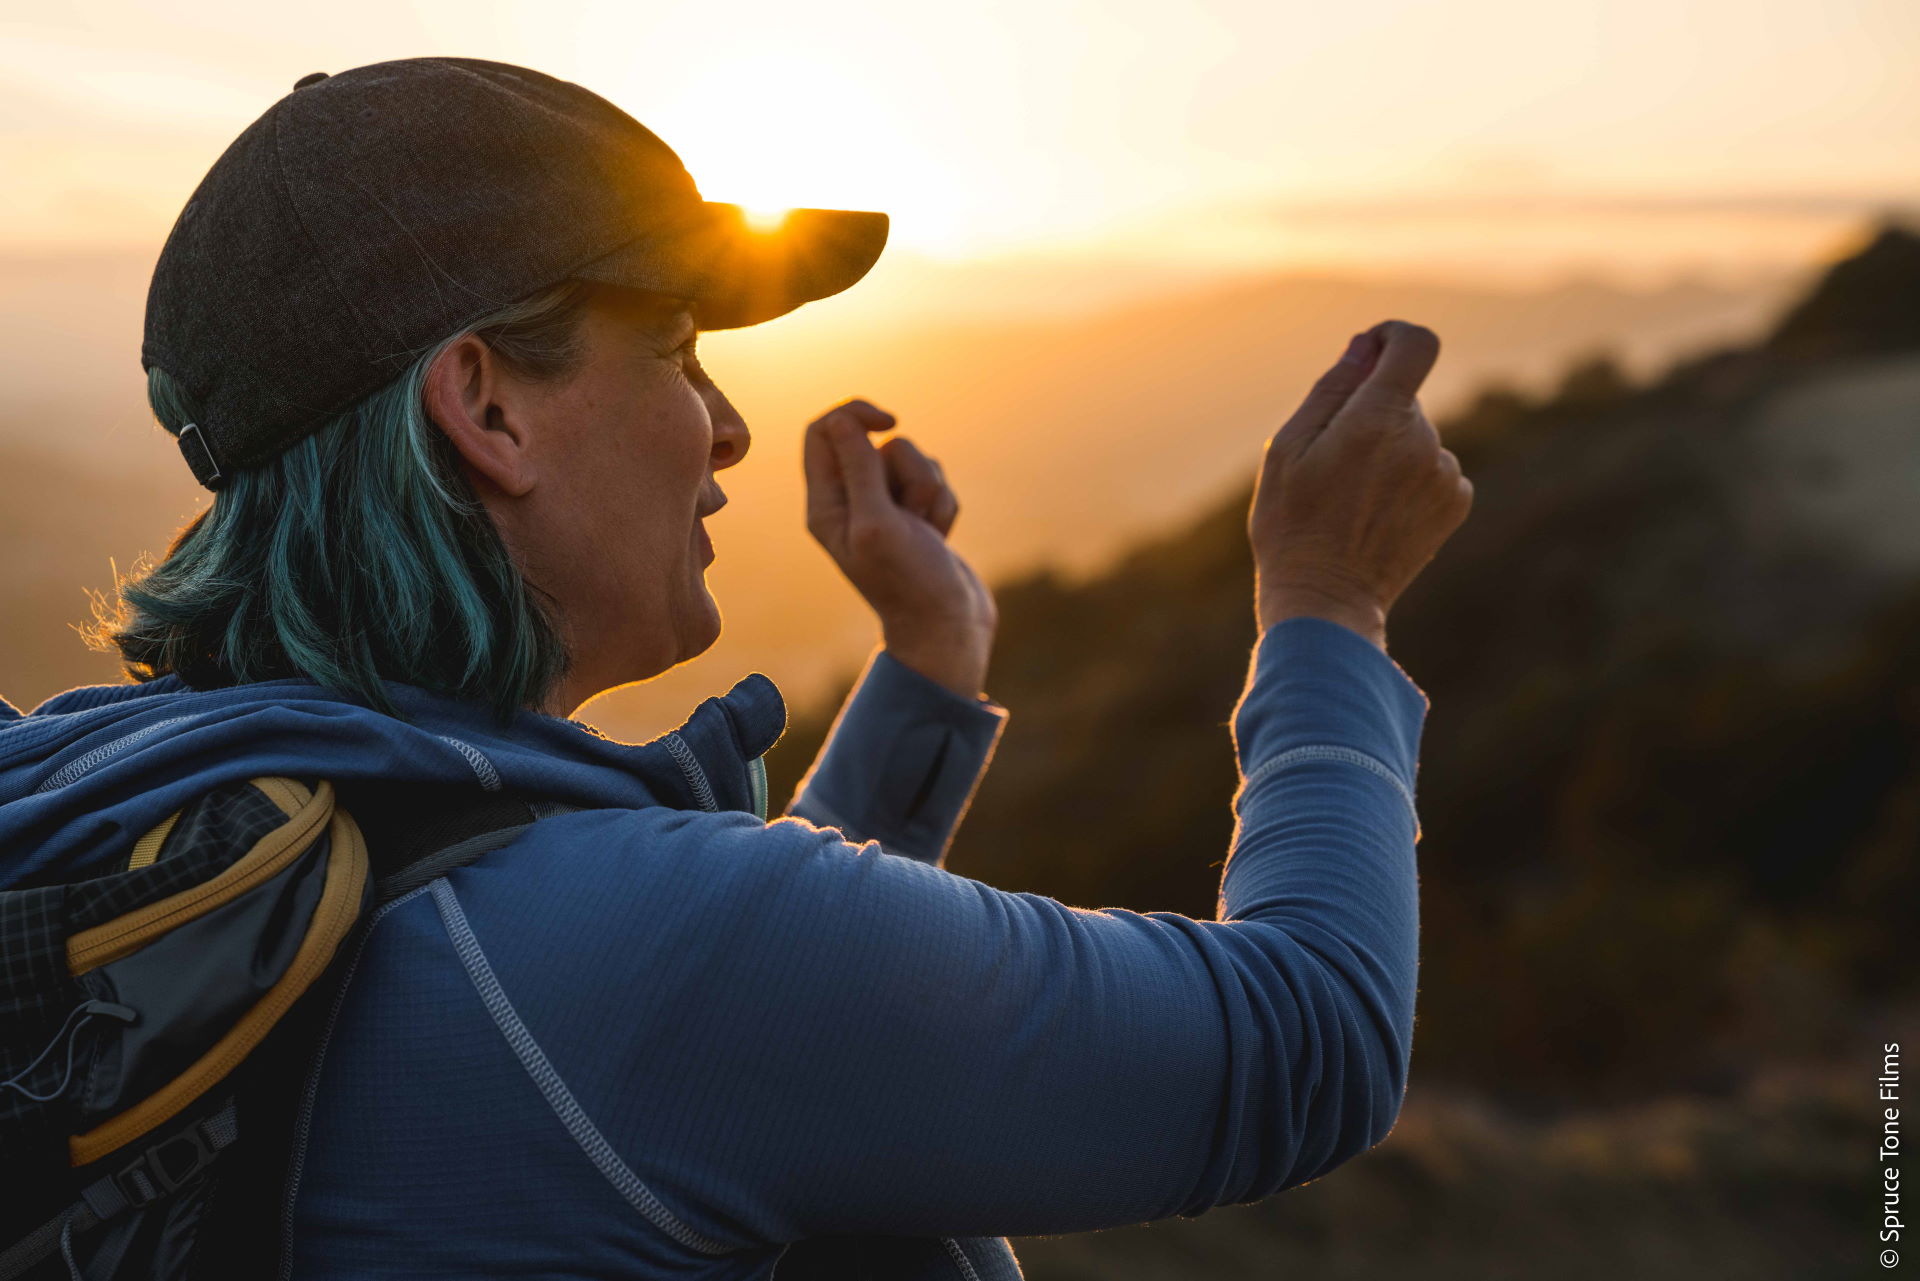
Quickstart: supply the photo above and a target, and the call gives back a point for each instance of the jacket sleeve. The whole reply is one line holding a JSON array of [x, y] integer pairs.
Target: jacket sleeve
[[901, 763], [818, 1038]]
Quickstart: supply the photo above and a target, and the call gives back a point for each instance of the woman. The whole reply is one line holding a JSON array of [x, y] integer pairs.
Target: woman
[[428, 330]]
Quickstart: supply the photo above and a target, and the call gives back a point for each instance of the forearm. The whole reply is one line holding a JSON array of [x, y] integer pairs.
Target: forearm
[[1327, 736], [902, 761]]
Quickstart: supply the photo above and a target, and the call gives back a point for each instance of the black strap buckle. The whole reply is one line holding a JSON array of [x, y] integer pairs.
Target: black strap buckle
[[167, 1166], [199, 455]]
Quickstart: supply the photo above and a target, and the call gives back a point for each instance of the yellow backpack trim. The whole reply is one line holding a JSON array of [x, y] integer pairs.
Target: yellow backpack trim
[[147, 848], [333, 918], [124, 935]]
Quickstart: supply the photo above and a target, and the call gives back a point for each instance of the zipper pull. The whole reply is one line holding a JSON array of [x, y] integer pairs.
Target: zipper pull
[[757, 785]]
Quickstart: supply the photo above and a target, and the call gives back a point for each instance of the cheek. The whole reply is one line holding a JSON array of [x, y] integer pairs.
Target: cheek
[[645, 479]]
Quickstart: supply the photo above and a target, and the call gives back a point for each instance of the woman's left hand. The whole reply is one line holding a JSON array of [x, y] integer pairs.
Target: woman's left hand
[[883, 514]]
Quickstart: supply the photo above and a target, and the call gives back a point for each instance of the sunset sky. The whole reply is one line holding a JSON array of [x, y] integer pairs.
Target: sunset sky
[[1126, 233], [1625, 136]]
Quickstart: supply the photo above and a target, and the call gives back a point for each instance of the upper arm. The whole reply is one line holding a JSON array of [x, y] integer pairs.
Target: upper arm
[[793, 1036]]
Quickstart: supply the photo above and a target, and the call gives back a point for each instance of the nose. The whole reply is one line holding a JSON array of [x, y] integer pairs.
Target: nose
[[730, 435]]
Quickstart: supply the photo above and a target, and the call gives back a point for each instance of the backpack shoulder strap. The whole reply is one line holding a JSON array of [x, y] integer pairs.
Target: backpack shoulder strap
[[411, 834], [418, 832], [414, 833]]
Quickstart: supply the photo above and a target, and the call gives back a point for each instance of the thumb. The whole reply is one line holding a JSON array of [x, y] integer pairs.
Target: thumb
[[1329, 394], [1407, 354]]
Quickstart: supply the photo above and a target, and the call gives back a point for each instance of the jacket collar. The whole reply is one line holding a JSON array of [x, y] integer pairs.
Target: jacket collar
[[724, 734], [92, 763]]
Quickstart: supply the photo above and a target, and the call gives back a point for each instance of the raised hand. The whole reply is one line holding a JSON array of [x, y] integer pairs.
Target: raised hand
[[883, 515], [1356, 493]]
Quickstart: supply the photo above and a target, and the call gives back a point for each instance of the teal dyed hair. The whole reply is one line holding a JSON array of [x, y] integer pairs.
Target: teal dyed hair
[[360, 555]]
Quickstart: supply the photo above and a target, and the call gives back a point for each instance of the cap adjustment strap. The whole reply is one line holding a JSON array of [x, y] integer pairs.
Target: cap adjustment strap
[[199, 455]]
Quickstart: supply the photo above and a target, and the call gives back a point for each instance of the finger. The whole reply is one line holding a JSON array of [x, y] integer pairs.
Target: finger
[[865, 412], [1328, 394], [826, 488], [862, 471], [826, 484], [949, 510], [916, 482], [1406, 358], [946, 512]]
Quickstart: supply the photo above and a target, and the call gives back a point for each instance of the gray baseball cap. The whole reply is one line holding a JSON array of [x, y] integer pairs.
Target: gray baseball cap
[[370, 214]]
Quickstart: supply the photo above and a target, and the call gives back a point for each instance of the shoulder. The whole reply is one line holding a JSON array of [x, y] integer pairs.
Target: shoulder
[[614, 900], [620, 845], [596, 872], [609, 930]]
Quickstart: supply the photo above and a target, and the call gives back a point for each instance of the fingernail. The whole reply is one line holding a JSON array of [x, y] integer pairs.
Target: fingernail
[[1352, 354]]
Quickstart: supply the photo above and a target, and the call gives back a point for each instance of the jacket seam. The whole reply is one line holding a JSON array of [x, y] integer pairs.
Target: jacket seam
[[690, 766], [476, 761], [960, 1259], [74, 769], [572, 1116], [1328, 752]]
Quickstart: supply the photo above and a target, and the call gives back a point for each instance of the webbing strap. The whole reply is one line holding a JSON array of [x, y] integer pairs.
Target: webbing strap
[[43, 1241], [157, 1171], [438, 864]]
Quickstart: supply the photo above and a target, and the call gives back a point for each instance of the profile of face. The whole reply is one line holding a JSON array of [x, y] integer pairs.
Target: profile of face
[[600, 483]]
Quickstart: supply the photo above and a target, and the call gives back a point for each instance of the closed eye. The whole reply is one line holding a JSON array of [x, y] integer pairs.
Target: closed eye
[[689, 359]]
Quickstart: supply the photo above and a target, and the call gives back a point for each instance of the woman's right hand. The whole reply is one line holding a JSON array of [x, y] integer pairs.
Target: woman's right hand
[[1356, 493]]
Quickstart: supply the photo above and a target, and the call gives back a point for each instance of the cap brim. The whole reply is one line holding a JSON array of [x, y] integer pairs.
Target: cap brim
[[739, 273]]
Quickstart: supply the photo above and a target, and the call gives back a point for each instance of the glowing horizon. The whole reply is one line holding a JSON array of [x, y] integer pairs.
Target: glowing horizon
[[1607, 135]]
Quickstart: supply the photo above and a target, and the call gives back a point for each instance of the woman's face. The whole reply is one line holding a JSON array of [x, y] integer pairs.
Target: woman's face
[[623, 457]]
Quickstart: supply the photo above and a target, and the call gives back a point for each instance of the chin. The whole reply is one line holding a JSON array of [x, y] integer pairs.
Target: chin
[[702, 627]]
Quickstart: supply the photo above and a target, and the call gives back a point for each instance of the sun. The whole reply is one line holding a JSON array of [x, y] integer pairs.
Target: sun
[[798, 132], [765, 219]]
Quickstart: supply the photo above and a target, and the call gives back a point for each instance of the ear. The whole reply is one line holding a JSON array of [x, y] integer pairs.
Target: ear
[[470, 398]]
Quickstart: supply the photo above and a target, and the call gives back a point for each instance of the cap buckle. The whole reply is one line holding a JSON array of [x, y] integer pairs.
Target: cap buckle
[[203, 466]]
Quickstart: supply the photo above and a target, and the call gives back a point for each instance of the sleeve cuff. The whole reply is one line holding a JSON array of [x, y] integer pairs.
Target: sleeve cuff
[[1316, 683], [902, 761]]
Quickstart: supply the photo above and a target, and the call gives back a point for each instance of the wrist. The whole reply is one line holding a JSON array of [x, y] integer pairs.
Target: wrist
[[1366, 617], [954, 657]]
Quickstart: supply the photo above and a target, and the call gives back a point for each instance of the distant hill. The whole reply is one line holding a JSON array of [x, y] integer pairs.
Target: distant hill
[[1670, 787], [1068, 437]]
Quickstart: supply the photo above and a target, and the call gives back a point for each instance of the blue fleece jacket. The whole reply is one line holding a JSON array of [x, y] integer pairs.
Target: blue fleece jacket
[[662, 1036]]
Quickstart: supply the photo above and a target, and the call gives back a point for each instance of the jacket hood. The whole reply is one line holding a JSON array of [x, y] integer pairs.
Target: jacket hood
[[88, 771]]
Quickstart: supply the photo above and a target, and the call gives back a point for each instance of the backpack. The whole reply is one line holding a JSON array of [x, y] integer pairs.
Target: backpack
[[157, 1022]]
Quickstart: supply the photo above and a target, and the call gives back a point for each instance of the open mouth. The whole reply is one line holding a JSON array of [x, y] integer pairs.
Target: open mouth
[[700, 514]]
